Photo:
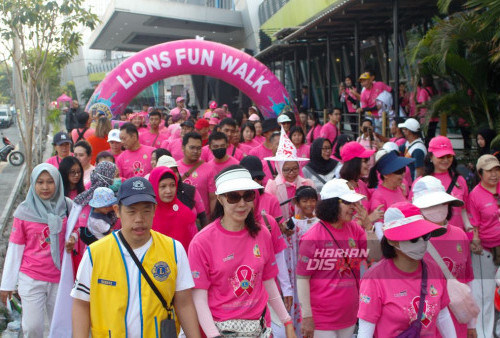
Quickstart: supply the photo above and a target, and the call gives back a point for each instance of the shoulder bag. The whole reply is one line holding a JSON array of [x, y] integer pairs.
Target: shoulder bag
[[167, 326]]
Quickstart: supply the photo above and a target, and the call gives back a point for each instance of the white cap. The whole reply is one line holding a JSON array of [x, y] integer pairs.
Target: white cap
[[283, 118], [380, 154], [235, 180], [429, 191], [338, 187], [410, 124], [114, 135], [390, 146], [166, 161]]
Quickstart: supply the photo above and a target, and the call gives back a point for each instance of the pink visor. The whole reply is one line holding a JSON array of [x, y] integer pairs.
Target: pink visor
[[403, 222], [354, 149]]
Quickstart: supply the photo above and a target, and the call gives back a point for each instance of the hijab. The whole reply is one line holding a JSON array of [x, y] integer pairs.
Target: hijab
[[173, 219], [102, 176], [51, 212], [317, 163], [488, 135]]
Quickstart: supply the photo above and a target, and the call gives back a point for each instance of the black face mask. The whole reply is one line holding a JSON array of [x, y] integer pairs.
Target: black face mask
[[219, 153]]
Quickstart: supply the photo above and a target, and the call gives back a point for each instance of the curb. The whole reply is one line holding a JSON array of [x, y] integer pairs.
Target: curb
[[12, 199]]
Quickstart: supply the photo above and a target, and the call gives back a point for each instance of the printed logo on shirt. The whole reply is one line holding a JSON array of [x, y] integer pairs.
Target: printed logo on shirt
[[194, 174], [352, 243], [196, 274], [459, 248], [427, 314], [243, 280], [433, 291], [256, 251], [364, 298], [161, 271], [106, 282], [138, 168], [44, 238], [228, 257], [145, 156], [401, 294]]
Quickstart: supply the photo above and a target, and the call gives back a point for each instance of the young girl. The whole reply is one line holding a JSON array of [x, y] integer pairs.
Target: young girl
[[102, 218]]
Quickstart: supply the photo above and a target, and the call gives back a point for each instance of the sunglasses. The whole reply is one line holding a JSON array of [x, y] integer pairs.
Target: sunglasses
[[234, 197], [424, 237]]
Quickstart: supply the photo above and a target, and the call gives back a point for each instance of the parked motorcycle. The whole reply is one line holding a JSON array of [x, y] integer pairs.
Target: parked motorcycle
[[16, 158]]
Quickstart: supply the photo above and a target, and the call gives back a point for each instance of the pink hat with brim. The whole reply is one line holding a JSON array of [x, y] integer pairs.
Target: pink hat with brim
[[403, 222], [179, 99], [213, 105], [214, 121], [254, 117], [354, 149], [441, 146]]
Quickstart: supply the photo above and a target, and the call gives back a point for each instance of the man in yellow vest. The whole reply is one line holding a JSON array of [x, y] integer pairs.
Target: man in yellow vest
[[111, 296]]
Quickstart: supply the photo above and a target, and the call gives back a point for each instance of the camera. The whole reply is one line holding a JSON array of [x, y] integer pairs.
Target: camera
[[290, 225]]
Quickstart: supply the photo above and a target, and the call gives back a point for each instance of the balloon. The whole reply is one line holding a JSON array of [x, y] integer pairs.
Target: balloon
[[193, 57]]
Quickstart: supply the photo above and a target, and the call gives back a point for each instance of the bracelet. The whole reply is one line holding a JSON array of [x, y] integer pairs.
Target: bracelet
[[288, 323]]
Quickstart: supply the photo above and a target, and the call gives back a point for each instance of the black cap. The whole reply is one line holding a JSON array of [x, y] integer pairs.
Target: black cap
[[188, 123], [61, 137], [254, 165], [269, 125], [136, 190]]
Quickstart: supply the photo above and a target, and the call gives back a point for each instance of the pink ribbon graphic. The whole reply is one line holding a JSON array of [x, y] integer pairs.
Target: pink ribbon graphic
[[44, 238], [449, 263], [244, 277], [425, 321], [138, 169]]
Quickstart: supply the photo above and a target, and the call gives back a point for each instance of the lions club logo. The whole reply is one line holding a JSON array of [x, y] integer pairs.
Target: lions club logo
[[161, 271]]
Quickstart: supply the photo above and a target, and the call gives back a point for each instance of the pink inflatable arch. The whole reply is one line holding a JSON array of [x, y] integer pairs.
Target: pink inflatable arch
[[195, 57]]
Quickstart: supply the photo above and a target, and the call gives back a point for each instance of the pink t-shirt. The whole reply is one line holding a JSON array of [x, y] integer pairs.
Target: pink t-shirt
[[245, 148], [135, 163], [330, 132], [267, 171], [386, 197], [37, 261], [270, 204], [253, 143], [362, 189], [424, 95], [86, 134], [232, 267], [399, 141], [175, 148], [350, 106], [147, 138], [199, 206], [453, 247], [316, 133], [261, 152], [303, 151], [389, 298], [277, 238], [218, 166], [260, 139], [369, 96], [54, 160], [485, 215], [207, 155], [334, 289], [202, 179]]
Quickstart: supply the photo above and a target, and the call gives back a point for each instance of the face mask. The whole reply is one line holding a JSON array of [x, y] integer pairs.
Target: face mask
[[219, 153], [117, 182], [414, 250], [436, 214]]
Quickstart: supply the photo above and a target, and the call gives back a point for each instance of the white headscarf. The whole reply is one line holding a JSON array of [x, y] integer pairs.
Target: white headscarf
[[50, 212]]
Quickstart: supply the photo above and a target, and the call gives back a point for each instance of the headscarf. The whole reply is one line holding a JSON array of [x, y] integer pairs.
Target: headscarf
[[102, 176], [488, 135], [173, 219], [51, 212], [317, 163]]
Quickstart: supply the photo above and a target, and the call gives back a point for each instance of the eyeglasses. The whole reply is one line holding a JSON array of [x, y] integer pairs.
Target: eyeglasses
[[194, 148], [290, 170], [75, 172], [233, 197], [424, 237], [400, 171]]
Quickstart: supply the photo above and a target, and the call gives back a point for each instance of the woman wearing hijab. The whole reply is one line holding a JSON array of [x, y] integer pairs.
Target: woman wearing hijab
[[321, 167], [102, 176], [36, 244], [483, 139], [172, 217]]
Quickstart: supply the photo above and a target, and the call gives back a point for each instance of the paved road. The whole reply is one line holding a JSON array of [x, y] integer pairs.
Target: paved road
[[8, 173]]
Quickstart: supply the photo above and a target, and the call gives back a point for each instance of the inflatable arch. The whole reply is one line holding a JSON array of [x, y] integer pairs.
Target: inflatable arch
[[190, 57]]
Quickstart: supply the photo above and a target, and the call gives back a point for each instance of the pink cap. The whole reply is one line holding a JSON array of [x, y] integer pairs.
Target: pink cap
[[254, 117], [213, 105], [214, 121], [403, 222], [179, 99], [441, 146], [354, 149]]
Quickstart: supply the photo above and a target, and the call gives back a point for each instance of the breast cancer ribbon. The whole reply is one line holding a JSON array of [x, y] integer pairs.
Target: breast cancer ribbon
[[244, 276], [425, 320], [138, 168]]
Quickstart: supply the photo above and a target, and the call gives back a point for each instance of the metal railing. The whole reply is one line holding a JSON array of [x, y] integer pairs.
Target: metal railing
[[222, 4]]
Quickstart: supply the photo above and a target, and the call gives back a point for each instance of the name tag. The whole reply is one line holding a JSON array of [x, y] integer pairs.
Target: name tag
[[106, 282]]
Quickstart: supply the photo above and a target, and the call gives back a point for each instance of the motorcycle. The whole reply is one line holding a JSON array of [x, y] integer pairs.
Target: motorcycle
[[16, 158]]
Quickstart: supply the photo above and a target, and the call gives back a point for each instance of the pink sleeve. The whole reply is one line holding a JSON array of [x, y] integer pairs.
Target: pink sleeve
[[317, 132], [200, 265], [17, 235], [387, 88], [274, 208], [325, 132], [375, 201], [211, 185], [205, 153], [270, 187], [270, 270], [473, 211], [445, 298], [307, 247], [469, 272], [279, 243], [200, 207], [164, 144], [370, 304]]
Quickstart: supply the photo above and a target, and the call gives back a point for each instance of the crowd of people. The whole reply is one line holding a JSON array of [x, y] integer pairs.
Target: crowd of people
[[160, 225]]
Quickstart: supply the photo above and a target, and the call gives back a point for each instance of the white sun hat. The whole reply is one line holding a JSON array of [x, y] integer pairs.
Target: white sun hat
[[338, 187], [286, 150], [429, 191], [235, 180], [166, 161]]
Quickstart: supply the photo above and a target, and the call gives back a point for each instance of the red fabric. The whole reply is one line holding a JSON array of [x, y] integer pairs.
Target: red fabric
[[172, 219]]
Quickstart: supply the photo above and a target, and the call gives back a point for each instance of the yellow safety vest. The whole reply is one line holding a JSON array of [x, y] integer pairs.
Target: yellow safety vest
[[109, 285]]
